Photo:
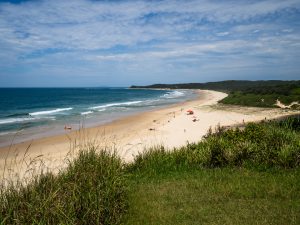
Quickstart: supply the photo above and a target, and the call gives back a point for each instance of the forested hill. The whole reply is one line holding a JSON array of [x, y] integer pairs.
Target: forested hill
[[234, 85], [248, 93]]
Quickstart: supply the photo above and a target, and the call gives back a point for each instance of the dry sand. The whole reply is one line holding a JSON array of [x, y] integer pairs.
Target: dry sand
[[171, 127]]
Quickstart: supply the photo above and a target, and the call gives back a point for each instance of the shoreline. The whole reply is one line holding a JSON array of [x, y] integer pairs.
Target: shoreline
[[127, 136], [84, 121]]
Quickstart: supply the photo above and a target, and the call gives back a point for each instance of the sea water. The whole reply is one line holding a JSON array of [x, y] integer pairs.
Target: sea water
[[28, 113]]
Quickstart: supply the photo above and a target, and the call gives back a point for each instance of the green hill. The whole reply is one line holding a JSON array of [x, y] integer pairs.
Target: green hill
[[247, 93]]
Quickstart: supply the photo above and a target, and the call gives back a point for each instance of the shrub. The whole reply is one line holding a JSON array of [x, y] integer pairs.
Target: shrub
[[274, 144]]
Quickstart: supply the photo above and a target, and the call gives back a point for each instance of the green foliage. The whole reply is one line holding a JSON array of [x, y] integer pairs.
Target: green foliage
[[257, 87], [263, 145], [258, 99], [265, 96], [91, 191], [291, 123], [247, 93], [295, 91], [96, 188]]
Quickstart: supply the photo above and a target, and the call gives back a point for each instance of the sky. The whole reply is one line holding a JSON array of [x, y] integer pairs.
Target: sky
[[80, 43]]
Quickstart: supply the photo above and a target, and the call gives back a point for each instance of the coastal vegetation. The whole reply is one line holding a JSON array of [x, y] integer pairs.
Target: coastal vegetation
[[245, 175], [92, 190], [247, 93]]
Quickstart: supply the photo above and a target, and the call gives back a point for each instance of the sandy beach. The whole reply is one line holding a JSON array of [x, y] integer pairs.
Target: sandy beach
[[171, 127]]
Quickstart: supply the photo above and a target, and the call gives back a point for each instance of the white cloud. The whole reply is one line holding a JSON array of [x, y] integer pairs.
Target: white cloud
[[287, 30], [222, 34], [271, 47], [93, 25], [66, 33]]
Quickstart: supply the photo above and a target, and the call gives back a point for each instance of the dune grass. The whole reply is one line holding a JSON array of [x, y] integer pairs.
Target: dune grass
[[263, 145], [92, 190], [244, 175]]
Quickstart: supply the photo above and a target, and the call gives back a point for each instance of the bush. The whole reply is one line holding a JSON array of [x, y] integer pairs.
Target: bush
[[263, 145]]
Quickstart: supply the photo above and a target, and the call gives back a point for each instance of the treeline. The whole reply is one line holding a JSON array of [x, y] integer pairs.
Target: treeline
[[277, 86]]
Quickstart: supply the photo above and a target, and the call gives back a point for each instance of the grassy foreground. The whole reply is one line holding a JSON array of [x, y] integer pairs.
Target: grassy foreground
[[236, 176], [216, 196]]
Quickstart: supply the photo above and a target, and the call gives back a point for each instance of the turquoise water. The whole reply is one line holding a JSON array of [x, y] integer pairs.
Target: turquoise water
[[27, 113]]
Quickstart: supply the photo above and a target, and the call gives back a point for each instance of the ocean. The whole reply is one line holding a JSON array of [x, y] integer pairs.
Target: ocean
[[29, 113]]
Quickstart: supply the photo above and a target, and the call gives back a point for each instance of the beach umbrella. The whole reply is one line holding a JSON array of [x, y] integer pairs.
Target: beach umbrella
[[190, 111]]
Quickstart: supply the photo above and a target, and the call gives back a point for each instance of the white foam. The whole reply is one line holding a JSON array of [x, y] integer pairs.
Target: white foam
[[173, 94], [7, 133], [49, 112], [86, 113], [20, 120], [115, 104], [15, 120]]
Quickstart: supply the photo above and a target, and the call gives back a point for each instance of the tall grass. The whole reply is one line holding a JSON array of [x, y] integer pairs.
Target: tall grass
[[92, 190], [263, 145]]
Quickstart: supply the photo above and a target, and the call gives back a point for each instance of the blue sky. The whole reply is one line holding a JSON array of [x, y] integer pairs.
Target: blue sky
[[59, 43]]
